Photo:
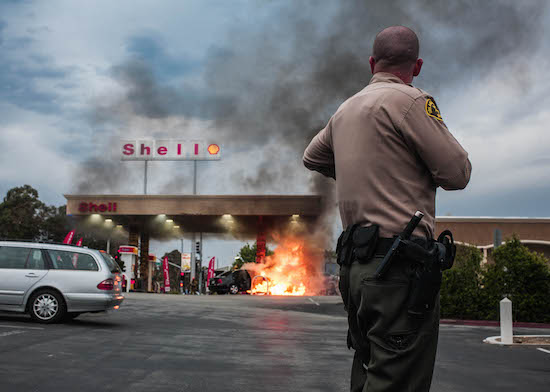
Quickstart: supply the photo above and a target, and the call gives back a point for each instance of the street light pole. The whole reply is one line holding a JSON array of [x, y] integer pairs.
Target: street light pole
[[200, 264], [145, 178], [193, 259]]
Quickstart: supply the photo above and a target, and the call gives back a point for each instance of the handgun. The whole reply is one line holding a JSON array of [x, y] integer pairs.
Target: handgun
[[397, 245]]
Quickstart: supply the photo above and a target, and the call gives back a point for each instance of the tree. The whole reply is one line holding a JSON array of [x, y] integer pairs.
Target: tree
[[55, 225], [472, 291], [247, 254], [21, 214], [522, 276]]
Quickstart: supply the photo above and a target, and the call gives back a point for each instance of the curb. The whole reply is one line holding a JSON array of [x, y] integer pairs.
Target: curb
[[497, 340], [489, 323]]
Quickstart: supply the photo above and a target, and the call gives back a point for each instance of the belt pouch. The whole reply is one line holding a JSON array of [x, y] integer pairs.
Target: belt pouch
[[364, 242], [344, 249]]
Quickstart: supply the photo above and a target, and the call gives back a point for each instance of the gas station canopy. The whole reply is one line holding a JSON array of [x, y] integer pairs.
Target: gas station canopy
[[200, 213], [256, 205]]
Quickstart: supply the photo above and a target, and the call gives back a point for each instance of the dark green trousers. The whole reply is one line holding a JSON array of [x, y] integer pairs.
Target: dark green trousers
[[393, 353]]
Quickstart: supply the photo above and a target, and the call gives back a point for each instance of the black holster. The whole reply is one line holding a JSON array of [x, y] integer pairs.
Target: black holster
[[426, 279]]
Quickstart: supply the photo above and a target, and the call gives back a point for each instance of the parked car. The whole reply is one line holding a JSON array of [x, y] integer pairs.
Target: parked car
[[56, 282], [232, 282]]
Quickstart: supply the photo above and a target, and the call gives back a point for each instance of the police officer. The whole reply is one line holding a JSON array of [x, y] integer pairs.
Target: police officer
[[388, 149]]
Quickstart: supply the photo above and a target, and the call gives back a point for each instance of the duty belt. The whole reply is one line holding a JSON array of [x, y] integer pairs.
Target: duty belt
[[382, 247], [362, 243]]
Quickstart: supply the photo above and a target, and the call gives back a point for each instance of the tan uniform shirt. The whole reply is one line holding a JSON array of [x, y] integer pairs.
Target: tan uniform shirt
[[389, 149]]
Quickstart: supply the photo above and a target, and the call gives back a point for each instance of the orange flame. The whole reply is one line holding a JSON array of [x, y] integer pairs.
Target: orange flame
[[289, 271]]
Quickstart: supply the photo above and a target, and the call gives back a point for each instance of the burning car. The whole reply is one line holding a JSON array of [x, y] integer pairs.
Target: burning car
[[293, 269], [232, 282]]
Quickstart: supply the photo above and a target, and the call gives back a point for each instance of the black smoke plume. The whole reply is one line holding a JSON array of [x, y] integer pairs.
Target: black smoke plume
[[278, 84]]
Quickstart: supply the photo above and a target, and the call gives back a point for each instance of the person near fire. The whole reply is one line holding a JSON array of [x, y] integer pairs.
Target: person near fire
[[388, 149], [194, 286]]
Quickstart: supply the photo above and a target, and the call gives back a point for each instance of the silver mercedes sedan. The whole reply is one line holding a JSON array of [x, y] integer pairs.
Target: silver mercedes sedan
[[57, 282]]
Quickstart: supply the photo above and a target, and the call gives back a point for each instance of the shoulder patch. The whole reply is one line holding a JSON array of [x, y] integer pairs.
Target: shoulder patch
[[432, 110]]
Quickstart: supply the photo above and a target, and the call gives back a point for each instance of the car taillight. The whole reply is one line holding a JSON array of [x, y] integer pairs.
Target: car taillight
[[107, 284]]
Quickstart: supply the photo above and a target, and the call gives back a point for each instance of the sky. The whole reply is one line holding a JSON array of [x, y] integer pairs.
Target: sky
[[261, 77]]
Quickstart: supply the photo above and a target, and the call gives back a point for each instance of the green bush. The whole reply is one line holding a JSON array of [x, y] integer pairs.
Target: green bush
[[470, 291], [461, 286], [522, 276]]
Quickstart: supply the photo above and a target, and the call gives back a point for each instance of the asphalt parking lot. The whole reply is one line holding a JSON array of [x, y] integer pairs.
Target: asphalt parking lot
[[158, 342]]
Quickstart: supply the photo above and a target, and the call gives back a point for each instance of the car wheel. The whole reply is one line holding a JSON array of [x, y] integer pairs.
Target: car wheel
[[47, 306], [233, 289]]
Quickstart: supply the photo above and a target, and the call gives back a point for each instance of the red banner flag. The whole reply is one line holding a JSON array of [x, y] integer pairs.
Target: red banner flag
[[166, 275], [211, 267], [79, 242], [69, 237]]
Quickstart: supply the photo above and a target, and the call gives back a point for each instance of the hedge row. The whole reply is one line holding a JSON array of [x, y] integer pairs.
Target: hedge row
[[471, 291]]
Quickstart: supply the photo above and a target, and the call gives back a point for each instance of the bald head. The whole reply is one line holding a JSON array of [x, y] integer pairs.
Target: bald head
[[395, 50], [395, 46]]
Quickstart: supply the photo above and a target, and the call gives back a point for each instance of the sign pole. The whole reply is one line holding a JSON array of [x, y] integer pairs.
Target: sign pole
[[194, 177], [193, 253], [145, 178]]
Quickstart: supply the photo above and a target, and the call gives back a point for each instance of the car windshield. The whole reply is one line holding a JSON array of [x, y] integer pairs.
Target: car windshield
[[113, 265]]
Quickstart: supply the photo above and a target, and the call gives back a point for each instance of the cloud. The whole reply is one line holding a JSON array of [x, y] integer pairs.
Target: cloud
[[167, 67], [263, 80], [31, 156], [502, 120], [2, 27], [31, 81]]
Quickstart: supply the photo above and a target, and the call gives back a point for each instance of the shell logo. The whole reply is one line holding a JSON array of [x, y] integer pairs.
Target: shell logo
[[213, 149]]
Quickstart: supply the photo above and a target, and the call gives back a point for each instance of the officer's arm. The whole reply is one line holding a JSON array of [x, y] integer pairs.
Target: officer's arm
[[319, 155], [426, 133]]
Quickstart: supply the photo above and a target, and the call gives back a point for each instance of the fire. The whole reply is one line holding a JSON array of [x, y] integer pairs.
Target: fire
[[289, 271]]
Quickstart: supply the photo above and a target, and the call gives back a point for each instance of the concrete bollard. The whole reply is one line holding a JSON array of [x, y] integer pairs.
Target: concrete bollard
[[506, 332]]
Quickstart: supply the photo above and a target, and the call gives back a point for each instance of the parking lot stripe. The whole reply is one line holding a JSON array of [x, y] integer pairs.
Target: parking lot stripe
[[17, 326], [316, 303], [8, 333], [543, 350]]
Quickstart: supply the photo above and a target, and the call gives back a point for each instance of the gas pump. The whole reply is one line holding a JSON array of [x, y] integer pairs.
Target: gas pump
[[128, 255]]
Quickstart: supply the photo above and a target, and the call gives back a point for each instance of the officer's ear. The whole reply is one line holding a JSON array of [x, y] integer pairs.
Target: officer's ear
[[372, 63], [417, 66]]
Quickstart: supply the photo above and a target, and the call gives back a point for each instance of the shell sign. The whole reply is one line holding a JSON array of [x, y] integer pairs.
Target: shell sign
[[169, 150]]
